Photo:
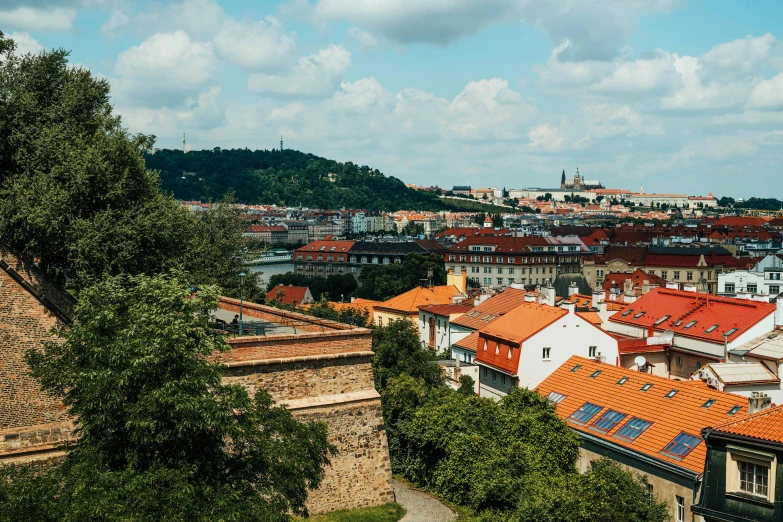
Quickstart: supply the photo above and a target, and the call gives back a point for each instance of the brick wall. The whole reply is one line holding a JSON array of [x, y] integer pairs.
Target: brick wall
[[302, 322], [306, 377], [280, 346], [360, 474], [24, 324]]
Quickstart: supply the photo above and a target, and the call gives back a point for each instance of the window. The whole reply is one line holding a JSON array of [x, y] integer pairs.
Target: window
[[730, 332], [386, 261], [774, 290], [485, 371], [341, 259], [680, 515], [678, 361], [608, 420], [711, 328], [752, 288], [575, 368], [592, 351], [487, 249], [627, 312], [546, 354], [494, 376], [499, 259], [729, 288], [555, 398], [320, 258], [664, 273], [622, 381], [753, 478], [681, 446], [510, 260], [487, 269], [309, 257], [595, 374], [650, 493], [637, 316], [510, 270], [330, 258], [662, 319], [690, 324], [452, 258], [500, 280], [375, 260], [298, 257], [676, 274], [585, 413], [503, 379], [671, 394], [734, 410], [474, 259], [632, 429], [689, 276], [646, 386], [698, 365], [487, 259], [500, 270]]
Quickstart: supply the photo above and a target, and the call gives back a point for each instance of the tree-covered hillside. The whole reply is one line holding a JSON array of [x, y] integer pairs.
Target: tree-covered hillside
[[284, 178]]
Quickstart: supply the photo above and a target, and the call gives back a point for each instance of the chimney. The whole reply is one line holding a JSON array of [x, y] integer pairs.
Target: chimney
[[645, 286], [597, 298], [530, 297], [628, 286], [779, 311], [672, 285], [459, 280], [568, 305], [573, 288], [759, 401], [548, 295], [689, 287]]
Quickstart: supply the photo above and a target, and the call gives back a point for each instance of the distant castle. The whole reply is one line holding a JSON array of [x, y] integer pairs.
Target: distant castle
[[578, 183]]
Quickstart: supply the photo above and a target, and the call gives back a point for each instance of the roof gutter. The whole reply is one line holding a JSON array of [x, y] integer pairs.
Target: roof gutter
[[678, 470]]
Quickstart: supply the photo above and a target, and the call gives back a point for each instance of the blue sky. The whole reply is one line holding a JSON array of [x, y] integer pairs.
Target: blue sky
[[673, 95]]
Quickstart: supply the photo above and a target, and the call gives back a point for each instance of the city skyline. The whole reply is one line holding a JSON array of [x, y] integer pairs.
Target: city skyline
[[671, 95]]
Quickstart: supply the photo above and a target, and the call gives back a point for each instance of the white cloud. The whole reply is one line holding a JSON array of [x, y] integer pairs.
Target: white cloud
[[313, 75], [260, 45], [645, 75], [742, 55], [546, 137], [117, 20], [199, 113], [359, 96], [365, 39], [25, 43], [56, 19], [768, 94], [409, 21], [199, 18], [163, 68]]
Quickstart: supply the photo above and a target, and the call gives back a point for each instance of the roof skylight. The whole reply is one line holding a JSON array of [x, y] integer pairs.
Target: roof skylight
[[622, 380], [595, 374], [647, 386], [608, 420], [575, 368], [709, 403], [632, 429], [681, 446], [690, 324], [555, 398], [627, 312], [637, 316], [585, 413], [662, 319], [711, 328], [671, 394], [730, 332], [734, 410]]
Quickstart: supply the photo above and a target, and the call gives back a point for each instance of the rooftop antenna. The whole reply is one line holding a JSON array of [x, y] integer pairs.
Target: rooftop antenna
[[183, 142], [281, 143]]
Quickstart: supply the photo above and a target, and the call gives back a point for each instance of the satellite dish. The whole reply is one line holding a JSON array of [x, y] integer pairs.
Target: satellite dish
[[640, 361], [667, 336]]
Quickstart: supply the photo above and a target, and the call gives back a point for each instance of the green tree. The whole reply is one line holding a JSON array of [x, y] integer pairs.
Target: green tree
[[161, 437], [398, 351], [497, 221], [75, 193], [382, 282]]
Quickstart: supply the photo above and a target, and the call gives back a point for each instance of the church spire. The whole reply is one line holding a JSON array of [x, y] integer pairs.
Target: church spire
[[562, 180]]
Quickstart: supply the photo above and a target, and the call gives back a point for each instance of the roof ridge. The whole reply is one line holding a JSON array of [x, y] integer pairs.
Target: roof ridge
[[753, 416]]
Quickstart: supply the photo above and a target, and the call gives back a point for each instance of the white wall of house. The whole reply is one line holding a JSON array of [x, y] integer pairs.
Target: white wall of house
[[442, 330], [570, 335]]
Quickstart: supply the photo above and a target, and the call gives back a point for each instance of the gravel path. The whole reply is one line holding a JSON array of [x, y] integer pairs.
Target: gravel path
[[420, 506]]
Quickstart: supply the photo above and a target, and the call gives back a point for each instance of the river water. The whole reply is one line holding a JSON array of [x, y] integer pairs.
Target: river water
[[268, 271]]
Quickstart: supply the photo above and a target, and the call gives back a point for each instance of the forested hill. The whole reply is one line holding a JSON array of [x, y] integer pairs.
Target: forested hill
[[283, 178]]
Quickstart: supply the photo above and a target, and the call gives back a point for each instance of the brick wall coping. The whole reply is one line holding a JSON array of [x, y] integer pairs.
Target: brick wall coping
[[332, 400], [255, 340], [285, 314], [301, 358]]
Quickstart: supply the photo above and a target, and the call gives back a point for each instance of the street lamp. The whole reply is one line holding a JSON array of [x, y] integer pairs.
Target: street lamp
[[242, 277]]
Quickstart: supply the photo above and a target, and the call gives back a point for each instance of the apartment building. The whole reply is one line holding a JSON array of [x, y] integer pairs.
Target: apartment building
[[500, 261]]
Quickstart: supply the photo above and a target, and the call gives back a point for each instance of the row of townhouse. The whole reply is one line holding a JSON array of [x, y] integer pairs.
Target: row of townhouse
[[327, 257], [500, 261]]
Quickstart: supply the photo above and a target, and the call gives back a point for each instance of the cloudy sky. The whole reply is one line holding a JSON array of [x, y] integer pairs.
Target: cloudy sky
[[674, 95]]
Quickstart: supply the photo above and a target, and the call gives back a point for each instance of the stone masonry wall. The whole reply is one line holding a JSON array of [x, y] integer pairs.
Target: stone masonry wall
[[24, 324], [306, 378], [296, 345], [360, 474]]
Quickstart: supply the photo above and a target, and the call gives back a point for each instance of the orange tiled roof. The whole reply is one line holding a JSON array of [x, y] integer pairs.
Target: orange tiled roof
[[591, 317], [680, 309], [362, 304], [410, 301], [685, 411], [524, 321], [764, 425], [495, 306], [288, 294]]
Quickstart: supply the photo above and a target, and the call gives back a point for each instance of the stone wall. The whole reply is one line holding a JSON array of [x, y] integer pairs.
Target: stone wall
[[28, 416], [305, 376], [256, 348], [360, 474]]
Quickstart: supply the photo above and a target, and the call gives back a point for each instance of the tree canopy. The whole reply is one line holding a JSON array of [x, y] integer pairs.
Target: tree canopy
[[161, 437], [382, 282], [75, 193]]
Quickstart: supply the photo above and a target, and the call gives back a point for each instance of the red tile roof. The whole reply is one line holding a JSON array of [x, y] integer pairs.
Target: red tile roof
[[290, 294], [409, 302], [764, 425], [683, 412], [326, 246], [502, 244], [617, 279], [491, 309], [738, 221], [679, 309], [446, 309]]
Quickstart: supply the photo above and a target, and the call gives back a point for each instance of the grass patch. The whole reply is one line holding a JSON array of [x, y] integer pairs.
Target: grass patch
[[386, 513]]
